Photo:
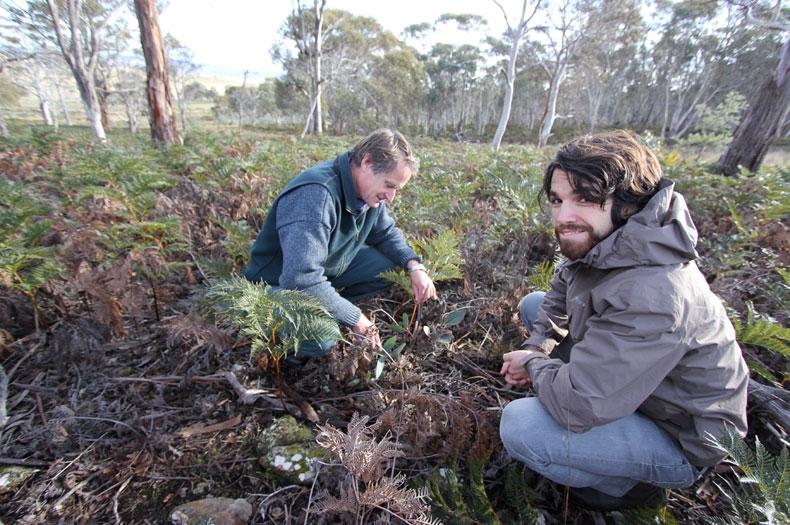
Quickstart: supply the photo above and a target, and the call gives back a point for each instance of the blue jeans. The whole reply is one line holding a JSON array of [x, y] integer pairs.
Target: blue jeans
[[358, 281], [611, 458]]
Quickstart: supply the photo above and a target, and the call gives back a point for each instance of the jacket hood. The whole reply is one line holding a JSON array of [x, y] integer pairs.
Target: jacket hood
[[661, 233]]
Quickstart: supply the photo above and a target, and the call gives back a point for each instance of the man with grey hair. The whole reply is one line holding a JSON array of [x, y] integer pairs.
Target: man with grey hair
[[328, 234]]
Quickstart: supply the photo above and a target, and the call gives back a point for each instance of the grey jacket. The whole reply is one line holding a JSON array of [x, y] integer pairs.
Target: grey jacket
[[649, 335]]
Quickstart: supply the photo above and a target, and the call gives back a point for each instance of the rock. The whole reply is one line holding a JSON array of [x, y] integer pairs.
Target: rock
[[216, 511], [287, 449], [11, 478]]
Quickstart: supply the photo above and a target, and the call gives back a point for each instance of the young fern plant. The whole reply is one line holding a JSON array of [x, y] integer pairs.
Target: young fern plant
[[757, 330], [441, 256], [275, 320], [762, 493]]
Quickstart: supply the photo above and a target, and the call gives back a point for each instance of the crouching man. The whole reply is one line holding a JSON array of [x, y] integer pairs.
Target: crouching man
[[632, 357]]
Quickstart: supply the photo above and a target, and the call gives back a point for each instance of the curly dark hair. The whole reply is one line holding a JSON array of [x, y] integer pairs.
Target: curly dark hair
[[609, 164]]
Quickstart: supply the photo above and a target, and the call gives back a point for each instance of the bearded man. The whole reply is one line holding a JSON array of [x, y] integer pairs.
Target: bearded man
[[631, 356]]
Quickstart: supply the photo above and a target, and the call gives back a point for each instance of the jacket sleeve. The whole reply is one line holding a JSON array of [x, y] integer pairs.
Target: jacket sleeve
[[631, 343], [551, 325], [389, 240], [304, 238]]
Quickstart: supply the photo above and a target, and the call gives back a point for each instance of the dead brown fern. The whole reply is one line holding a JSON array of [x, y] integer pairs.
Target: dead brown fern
[[367, 496], [433, 424]]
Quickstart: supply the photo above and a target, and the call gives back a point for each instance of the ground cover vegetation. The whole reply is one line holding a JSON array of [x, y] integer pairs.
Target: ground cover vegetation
[[132, 381]]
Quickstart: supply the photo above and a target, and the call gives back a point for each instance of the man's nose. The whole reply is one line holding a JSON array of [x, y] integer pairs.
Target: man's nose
[[565, 213]]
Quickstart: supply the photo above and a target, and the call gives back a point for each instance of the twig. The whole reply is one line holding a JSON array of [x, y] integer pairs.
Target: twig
[[115, 499], [41, 410], [247, 397]]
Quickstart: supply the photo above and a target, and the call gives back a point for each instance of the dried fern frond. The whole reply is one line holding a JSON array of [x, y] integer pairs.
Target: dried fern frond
[[366, 490], [193, 330], [358, 450]]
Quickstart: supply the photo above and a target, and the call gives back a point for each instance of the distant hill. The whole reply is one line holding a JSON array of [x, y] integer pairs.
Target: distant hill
[[235, 76]]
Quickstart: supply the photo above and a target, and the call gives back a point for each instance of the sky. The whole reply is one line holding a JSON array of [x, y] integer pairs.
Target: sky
[[231, 36]]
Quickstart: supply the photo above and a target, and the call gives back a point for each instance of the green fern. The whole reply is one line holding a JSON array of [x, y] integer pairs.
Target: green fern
[[518, 494], [762, 493], [542, 274], [481, 504], [441, 256], [276, 320], [447, 501], [763, 332], [238, 242]]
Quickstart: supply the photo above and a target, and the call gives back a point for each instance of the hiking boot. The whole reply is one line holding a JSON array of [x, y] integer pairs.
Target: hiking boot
[[642, 495]]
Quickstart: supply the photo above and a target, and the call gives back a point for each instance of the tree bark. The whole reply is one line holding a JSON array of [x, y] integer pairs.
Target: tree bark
[[82, 66], [517, 34], [162, 119], [762, 122]]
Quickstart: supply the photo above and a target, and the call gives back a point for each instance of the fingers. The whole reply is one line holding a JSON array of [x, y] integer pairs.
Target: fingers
[[423, 287]]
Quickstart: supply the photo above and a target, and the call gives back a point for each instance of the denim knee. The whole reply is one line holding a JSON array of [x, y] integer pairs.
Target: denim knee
[[529, 308], [519, 429]]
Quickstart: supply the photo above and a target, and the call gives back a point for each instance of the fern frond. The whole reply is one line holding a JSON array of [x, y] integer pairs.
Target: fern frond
[[366, 488], [762, 332], [518, 492], [276, 320], [763, 490], [440, 254], [481, 504]]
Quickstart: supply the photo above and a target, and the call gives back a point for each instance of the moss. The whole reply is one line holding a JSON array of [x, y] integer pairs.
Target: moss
[[287, 449]]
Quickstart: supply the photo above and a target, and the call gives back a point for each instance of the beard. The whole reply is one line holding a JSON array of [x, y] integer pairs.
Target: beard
[[577, 248]]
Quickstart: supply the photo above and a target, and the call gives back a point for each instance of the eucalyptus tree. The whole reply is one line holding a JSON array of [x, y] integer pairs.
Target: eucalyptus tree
[[610, 40], [761, 124], [563, 38], [129, 87], [514, 35], [368, 76], [398, 84], [10, 94], [306, 29], [161, 118], [452, 71], [77, 29], [183, 69], [689, 58]]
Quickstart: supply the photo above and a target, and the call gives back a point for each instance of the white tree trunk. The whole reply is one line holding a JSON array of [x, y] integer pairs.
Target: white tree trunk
[[510, 81], [551, 106]]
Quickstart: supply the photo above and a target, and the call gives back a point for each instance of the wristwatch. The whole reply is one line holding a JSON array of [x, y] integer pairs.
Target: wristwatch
[[416, 267]]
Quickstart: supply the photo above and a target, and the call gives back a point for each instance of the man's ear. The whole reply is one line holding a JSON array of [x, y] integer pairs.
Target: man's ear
[[627, 212]]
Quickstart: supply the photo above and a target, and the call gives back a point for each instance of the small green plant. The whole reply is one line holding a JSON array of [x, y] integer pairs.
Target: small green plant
[[441, 256], [760, 331], [542, 274], [275, 320], [238, 243], [761, 494]]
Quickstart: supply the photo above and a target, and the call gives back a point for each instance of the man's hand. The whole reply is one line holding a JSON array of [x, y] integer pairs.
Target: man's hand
[[422, 285], [515, 373], [366, 329]]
